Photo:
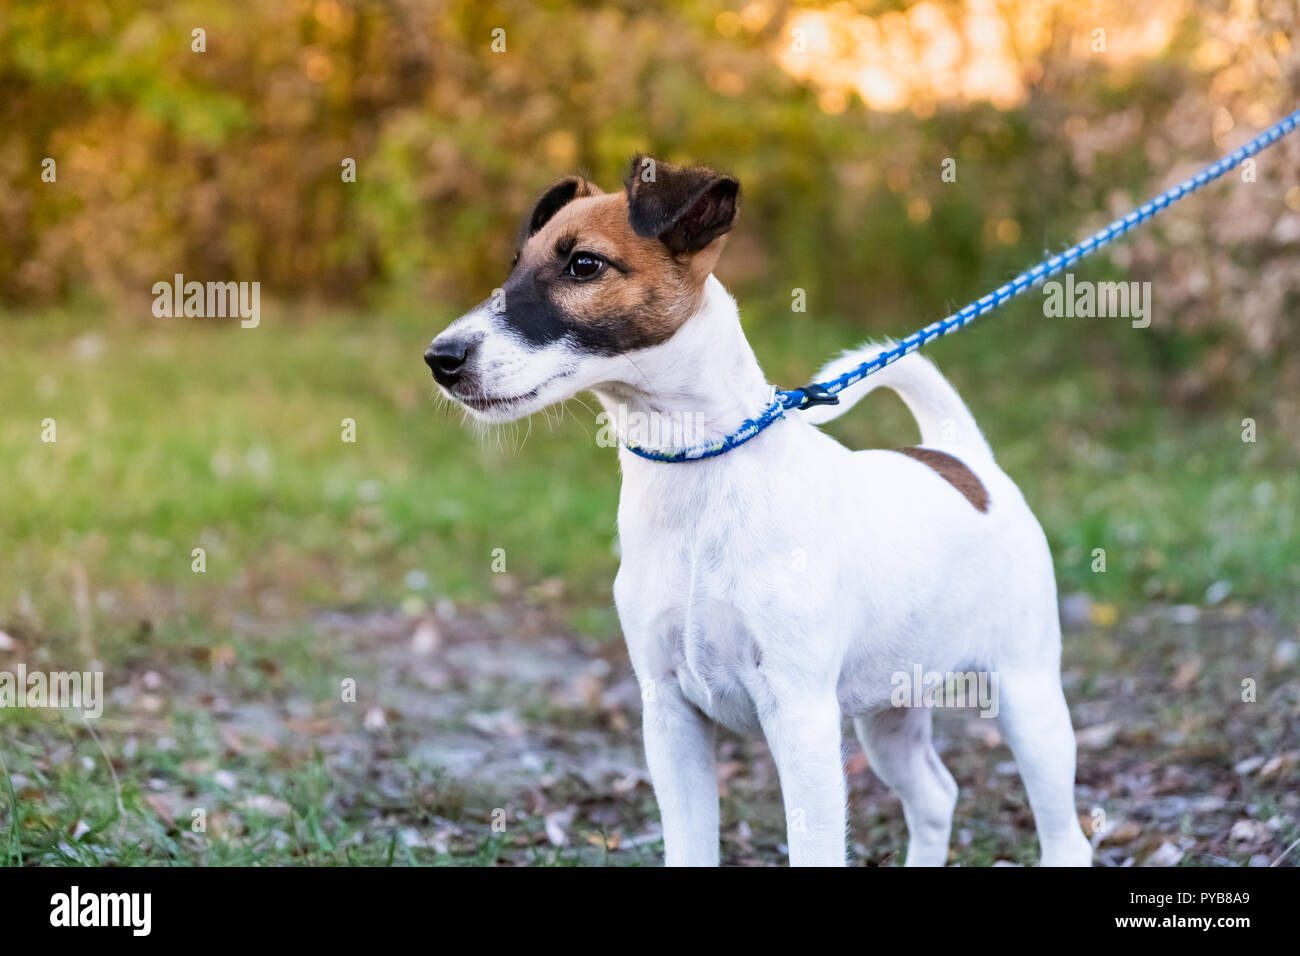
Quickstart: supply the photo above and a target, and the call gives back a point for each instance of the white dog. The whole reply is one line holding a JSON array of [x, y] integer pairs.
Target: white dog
[[787, 584]]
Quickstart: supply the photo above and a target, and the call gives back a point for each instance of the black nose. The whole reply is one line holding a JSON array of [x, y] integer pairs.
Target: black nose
[[446, 359]]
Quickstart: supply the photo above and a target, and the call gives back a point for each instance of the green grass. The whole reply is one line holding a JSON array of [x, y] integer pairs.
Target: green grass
[[181, 435]]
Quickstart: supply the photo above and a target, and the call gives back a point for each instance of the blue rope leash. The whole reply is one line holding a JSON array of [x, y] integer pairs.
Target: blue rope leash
[[824, 393]]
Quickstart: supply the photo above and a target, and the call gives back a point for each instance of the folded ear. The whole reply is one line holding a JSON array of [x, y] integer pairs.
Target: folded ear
[[684, 207], [553, 200]]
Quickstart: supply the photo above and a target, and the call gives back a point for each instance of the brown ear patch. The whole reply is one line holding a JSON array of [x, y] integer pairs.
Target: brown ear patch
[[954, 471]]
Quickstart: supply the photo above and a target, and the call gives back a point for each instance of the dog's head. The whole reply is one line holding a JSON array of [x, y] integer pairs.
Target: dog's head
[[596, 276]]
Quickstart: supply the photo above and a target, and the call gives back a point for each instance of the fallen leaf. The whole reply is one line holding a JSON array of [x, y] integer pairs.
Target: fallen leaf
[[1122, 833], [1279, 764], [158, 804], [555, 823], [1248, 766], [1103, 615], [1187, 673], [1165, 855], [1250, 831], [1098, 736], [266, 804], [426, 638]]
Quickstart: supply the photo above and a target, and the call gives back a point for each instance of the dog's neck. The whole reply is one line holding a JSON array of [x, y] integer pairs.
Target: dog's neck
[[697, 387]]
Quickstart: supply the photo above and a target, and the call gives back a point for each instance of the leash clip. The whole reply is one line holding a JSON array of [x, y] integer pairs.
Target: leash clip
[[816, 395]]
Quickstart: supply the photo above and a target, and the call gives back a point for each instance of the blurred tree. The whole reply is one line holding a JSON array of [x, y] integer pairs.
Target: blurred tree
[[838, 118]]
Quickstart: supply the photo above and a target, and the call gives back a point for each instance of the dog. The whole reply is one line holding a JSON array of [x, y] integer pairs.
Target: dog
[[787, 584]]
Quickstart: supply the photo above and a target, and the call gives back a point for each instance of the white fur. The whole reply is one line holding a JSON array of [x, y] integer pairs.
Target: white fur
[[777, 588]]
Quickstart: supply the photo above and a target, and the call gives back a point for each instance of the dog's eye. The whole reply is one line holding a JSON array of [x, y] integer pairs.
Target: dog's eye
[[584, 265]]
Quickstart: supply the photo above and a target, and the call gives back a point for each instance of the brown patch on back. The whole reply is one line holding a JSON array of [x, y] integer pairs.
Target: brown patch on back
[[954, 471], [654, 294]]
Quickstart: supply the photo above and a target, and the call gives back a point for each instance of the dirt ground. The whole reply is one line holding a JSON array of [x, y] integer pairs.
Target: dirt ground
[[498, 737], [1173, 766]]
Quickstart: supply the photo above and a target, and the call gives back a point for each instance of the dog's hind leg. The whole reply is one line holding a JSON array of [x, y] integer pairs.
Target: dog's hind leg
[[1035, 721], [899, 748]]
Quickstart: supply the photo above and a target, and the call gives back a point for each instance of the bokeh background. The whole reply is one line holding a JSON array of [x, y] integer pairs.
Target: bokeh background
[[383, 559]]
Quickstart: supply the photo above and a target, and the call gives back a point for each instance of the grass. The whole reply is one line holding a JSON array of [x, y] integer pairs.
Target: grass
[[177, 435], [180, 436]]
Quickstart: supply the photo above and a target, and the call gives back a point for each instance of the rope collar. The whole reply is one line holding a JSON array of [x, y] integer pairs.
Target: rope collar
[[747, 430], [826, 393]]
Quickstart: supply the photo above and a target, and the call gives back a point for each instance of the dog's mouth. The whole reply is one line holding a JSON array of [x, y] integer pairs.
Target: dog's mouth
[[498, 407], [483, 403]]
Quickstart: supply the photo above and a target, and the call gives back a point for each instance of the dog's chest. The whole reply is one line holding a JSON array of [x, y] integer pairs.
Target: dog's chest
[[696, 587], [703, 629], [715, 661]]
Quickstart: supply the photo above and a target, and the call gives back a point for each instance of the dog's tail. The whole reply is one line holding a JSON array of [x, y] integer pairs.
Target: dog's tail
[[935, 404]]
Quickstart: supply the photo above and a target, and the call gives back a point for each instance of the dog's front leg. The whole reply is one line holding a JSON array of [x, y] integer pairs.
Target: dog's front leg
[[803, 734], [679, 747]]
